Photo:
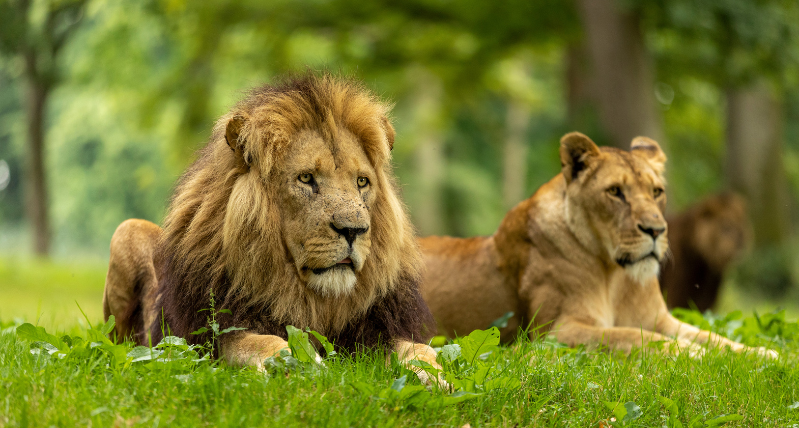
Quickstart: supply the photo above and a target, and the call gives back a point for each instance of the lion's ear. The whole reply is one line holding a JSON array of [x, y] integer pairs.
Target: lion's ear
[[389, 131], [649, 149], [234, 139], [577, 151]]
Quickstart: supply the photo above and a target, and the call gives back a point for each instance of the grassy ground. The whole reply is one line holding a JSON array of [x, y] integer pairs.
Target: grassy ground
[[47, 292], [536, 383]]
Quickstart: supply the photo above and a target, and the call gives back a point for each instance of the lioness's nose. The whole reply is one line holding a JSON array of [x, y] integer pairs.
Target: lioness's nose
[[349, 233], [654, 232]]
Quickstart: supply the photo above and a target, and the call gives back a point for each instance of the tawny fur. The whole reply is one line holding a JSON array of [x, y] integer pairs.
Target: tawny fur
[[242, 224], [567, 260], [705, 240]]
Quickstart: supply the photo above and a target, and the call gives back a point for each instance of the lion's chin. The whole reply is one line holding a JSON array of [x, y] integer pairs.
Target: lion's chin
[[334, 282], [643, 270]]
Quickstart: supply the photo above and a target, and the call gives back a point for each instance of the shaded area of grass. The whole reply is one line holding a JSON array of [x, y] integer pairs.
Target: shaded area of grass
[[44, 291]]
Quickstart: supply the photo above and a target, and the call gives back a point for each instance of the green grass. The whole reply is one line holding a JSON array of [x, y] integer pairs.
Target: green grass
[[557, 386], [47, 292], [550, 385]]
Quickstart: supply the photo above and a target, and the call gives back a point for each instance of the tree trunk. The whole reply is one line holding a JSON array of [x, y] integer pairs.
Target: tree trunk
[[514, 163], [754, 164], [621, 72], [429, 154], [35, 177]]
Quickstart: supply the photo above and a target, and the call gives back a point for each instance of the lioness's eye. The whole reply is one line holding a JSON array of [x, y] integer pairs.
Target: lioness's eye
[[362, 181], [658, 191], [305, 178], [614, 191]]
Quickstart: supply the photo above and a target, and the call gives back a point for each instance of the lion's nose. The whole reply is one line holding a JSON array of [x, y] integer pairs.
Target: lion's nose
[[349, 233], [654, 232]]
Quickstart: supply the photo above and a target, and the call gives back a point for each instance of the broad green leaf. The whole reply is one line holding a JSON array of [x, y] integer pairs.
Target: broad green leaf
[[38, 334], [108, 327], [229, 329], [669, 405], [424, 365], [399, 383], [478, 342], [172, 341], [144, 353], [450, 352], [325, 343], [200, 330], [301, 347], [722, 419], [502, 321], [633, 411], [225, 311], [617, 408]]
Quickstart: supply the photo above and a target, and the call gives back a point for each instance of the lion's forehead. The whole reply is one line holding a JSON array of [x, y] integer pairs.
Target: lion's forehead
[[340, 154], [629, 171]]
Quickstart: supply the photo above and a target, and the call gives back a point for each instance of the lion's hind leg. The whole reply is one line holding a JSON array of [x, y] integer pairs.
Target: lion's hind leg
[[131, 283]]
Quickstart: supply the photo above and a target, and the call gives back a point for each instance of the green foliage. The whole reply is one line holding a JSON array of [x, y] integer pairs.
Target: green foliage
[[213, 323], [558, 387], [768, 329]]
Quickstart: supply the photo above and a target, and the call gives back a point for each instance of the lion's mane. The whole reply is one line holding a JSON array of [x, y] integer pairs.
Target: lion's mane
[[222, 232]]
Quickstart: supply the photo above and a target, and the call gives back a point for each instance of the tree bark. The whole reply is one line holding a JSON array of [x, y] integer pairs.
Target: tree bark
[[621, 72], [37, 92], [514, 163], [754, 165]]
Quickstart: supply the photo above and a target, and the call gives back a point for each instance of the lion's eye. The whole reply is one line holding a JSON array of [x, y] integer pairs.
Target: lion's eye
[[657, 192], [362, 181], [614, 191], [305, 178]]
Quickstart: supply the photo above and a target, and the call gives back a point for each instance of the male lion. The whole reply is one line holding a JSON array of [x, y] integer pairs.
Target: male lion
[[704, 240], [579, 258], [289, 216]]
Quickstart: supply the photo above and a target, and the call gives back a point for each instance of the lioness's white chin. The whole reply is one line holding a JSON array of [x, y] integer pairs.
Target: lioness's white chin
[[334, 282], [643, 270]]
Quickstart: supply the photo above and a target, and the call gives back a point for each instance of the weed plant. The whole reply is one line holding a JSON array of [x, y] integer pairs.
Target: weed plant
[[87, 380]]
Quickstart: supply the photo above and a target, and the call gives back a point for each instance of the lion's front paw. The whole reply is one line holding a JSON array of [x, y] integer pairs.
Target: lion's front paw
[[429, 380], [765, 352]]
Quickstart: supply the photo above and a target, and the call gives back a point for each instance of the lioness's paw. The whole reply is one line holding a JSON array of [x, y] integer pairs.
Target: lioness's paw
[[687, 347]]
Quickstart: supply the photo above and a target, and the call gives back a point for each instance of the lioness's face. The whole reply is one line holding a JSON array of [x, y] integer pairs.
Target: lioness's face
[[619, 198], [327, 189]]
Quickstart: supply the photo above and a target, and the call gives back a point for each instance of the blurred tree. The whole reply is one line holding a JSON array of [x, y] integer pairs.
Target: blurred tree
[[619, 76], [36, 31], [748, 49]]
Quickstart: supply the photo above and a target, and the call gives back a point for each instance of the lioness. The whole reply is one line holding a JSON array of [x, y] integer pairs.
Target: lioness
[[579, 258], [289, 216]]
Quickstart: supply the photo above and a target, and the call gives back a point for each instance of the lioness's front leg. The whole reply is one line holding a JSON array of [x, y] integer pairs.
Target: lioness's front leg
[[407, 351], [674, 327], [573, 333], [249, 349]]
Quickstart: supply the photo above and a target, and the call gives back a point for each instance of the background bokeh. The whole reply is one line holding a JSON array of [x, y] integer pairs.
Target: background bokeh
[[122, 93]]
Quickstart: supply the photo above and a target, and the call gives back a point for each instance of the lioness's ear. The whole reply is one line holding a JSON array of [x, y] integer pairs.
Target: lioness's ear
[[233, 137], [576, 153], [390, 133], [649, 149]]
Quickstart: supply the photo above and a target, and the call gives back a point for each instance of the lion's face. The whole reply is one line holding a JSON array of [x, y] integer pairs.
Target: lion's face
[[615, 202], [721, 229], [327, 190]]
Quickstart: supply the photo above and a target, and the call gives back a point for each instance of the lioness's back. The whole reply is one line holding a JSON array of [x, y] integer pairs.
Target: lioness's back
[[465, 271]]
